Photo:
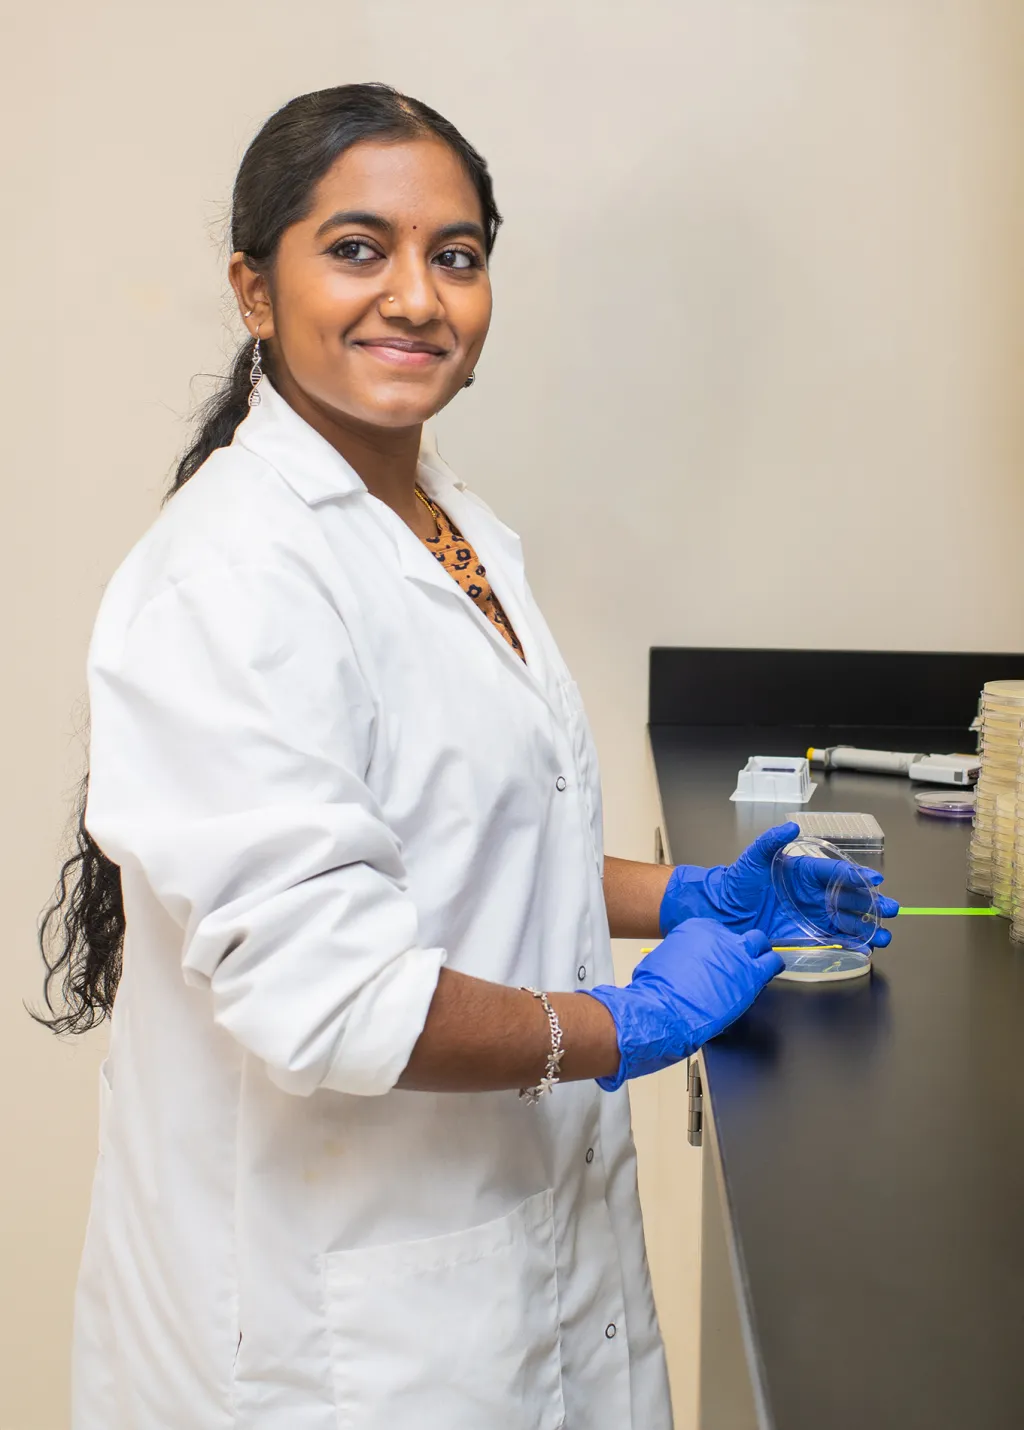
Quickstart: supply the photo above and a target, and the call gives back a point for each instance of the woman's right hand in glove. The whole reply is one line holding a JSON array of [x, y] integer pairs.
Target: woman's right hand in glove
[[684, 992]]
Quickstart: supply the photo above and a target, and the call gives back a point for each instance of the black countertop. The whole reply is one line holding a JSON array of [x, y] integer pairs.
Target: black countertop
[[871, 1134]]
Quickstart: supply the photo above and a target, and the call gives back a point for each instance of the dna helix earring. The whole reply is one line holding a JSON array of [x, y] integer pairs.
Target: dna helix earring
[[256, 371], [470, 379]]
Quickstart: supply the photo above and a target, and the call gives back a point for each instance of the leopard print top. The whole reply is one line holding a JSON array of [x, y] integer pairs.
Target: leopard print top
[[461, 562]]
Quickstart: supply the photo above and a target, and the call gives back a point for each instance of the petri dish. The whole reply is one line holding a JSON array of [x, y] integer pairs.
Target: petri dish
[[1009, 690], [941, 805], [993, 747], [834, 915], [823, 965], [1003, 722]]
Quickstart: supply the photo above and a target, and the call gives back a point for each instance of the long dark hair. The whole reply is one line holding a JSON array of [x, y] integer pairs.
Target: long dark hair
[[82, 931]]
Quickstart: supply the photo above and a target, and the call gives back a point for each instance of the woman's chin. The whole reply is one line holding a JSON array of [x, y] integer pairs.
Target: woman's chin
[[401, 405]]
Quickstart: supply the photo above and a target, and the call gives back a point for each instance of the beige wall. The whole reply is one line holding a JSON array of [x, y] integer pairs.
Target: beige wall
[[753, 378]]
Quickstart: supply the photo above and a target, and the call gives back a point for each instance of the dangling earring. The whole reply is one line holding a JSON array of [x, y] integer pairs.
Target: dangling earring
[[470, 379], [255, 372]]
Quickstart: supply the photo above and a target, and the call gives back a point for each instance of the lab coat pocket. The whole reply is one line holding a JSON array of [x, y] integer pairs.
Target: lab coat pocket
[[456, 1332]]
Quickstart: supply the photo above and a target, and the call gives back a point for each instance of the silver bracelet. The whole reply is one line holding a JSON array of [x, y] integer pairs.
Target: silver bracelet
[[533, 1095]]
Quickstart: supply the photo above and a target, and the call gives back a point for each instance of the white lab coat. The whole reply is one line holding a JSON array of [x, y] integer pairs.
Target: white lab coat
[[324, 775]]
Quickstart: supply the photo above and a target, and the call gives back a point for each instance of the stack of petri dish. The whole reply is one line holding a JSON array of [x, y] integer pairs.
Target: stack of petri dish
[[1017, 895], [993, 865]]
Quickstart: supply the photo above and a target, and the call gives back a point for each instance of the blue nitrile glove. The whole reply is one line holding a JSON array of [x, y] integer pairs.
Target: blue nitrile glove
[[741, 894], [694, 984]]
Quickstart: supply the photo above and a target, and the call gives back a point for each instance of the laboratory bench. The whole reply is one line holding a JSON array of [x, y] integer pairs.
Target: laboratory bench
[[863, 1143]]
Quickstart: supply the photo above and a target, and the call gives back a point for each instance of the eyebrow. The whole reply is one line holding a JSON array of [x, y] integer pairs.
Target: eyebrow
[[465, 228], [357, 216]]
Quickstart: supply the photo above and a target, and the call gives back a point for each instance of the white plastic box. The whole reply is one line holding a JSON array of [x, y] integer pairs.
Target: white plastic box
[[775, 779]]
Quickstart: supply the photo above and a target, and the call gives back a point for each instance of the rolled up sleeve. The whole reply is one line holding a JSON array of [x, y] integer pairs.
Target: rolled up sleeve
[[232, 737]]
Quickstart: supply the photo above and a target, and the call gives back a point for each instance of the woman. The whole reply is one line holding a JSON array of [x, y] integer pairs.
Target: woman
[[343, 781]]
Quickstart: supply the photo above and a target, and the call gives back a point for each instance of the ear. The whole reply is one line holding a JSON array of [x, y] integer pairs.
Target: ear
[[252, 294]]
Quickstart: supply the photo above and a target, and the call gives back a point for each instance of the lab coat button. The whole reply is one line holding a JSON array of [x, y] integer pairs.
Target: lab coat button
[[560, 783], [610, 1331], [590, 1155], [581, 972]]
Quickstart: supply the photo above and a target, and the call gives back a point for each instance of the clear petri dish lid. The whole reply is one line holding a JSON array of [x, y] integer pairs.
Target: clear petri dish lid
[[833, 908]]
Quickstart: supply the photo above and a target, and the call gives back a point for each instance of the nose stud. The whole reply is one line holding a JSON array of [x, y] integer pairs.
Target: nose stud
[[391, 299]]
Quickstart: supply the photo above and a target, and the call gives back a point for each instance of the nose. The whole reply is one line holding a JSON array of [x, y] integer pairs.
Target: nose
[[412, 285]]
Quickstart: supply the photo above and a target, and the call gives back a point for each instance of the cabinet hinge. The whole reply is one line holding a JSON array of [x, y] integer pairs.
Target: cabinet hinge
[[695, 1123]]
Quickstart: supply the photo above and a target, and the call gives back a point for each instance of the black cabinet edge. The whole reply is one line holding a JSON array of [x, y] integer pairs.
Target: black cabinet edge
[[722, 685]]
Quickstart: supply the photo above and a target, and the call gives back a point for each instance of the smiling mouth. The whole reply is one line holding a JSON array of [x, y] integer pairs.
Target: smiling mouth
[[402, 352]]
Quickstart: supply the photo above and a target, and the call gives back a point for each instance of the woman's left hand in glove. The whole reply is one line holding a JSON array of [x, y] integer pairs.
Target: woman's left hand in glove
[[742, 897]]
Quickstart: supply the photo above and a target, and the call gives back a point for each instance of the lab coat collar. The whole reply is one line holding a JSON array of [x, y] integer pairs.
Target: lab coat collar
[[435, 476], [318, 473], [496, 544], [308, 462], [439, 481]]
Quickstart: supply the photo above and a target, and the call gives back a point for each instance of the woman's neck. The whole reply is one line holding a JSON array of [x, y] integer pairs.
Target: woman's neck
[[385, 458]]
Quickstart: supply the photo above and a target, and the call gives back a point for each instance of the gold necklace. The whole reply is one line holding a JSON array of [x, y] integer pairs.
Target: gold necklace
[[430, 506]]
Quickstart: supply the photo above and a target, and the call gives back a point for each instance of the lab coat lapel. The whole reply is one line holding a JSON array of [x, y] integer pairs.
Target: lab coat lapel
[[501, 552], [318, 473], [420, 566]]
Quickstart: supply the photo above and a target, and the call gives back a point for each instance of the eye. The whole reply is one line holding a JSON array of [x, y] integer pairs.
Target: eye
[[354, 250], [457, 258]]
